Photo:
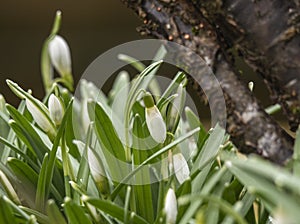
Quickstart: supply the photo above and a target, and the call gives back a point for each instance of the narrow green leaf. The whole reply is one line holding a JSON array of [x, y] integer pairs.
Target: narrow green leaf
[[40, 199], [106, 132], [273, 196], [150, 159], [113, 210], [10, 191], [184, 189], [75, 214], [6, 212], [256, 166], [223, 205], [41, 218], [11, 137], [111, 145], [52, 154], [21, 153], [54, 214], [180, 76], [27, 134], [25, 95], [132, 61], [210, 148], [194, 122], [207, 188], [296, 155], [84, 170], [142, 191]]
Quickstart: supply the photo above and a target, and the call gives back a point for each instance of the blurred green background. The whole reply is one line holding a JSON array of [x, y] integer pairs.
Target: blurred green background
[[91, 27]]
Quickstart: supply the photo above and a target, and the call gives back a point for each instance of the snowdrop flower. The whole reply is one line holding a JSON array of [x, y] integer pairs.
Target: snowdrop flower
[[56, 109], [154, 120], [97, 172], [170, 208], [181, 168], [39, 117], [60, 57]]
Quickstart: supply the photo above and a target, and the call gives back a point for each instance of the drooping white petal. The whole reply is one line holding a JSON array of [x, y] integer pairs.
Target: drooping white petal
[[181, 168], [156, 124], [60, 56], [171, 207], [38, 116], [56, 110], [95, 166]]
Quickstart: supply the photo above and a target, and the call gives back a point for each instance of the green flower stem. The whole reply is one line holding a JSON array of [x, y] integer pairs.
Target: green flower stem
[[46, 69]]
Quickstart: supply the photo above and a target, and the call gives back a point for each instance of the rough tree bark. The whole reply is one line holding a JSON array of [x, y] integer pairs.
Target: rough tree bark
[[183, 22], [266, 33]]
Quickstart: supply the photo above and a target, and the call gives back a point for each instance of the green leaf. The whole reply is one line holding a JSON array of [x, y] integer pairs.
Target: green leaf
[[21, 153], [54, 214], [171, 88], [150, 159], [41, 218], [27, 133], [6, 212], [10, 191], [52, 155], [138, 85], [210, 149], [142, 191], [40, 199], [70, 136], [184, 189], [217, 201], [25, 95], [193, 121], [113, 210], [296, 155], [27, 177], [207, 188], [105, 131], [259, 183], [75, 214]]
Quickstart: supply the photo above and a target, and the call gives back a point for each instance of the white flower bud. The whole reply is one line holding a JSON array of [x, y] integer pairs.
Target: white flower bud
[[60, 56], [154, 120], [56, 109], [156, 124], [39, 117], [251, 86], [170, 208], [181, 168], [97, 172]]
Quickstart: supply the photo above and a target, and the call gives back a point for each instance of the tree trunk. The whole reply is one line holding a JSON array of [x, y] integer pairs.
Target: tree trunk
[[188, 23], [266, 33]]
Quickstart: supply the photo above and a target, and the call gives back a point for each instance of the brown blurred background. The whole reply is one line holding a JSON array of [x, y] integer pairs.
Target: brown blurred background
[[91, 27]]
